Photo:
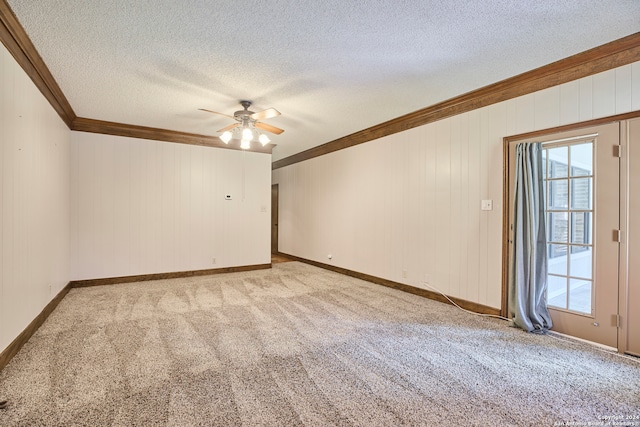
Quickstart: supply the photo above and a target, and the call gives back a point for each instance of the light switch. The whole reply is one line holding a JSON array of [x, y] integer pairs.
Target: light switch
[[487, 205]]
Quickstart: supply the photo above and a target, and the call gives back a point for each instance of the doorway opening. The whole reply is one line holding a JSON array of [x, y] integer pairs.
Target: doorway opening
[[274, 218]]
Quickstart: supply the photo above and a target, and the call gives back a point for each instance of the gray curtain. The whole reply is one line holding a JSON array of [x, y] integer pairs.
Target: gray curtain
[[528, 281]]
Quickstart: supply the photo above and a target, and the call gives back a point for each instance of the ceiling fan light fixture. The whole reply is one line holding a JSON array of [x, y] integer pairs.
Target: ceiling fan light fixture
[[226, 137], [248, 125], [264, 139]]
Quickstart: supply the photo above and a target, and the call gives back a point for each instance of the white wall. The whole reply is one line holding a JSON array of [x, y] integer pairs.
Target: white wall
[[34, 201], [410, 202], [143, 207]]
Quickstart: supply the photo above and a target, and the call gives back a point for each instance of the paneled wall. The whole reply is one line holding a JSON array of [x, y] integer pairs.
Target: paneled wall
[[407, 207], [143, 207], [34, 201]]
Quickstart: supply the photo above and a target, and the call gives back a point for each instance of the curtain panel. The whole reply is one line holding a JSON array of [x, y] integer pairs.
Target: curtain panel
[[528, 279]]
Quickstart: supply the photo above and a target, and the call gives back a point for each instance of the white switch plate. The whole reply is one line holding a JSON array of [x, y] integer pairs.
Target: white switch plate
[[227, 197], [487, 205]]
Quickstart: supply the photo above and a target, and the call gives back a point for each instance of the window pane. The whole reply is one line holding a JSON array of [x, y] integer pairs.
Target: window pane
[[545, 187], [580, 295], [581, 193], [557, 291], [582, 159], [558, 194], [581, 261], [557, 226], [581, 227], [558, 161], [557, 259]]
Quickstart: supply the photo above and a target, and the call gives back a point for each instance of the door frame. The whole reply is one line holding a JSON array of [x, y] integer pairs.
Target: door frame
[[629, 142], [623, 255], [275, 211]]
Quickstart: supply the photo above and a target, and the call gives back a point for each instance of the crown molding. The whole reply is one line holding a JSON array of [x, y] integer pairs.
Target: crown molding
[[82, 124], [602, 58], [18, 43]]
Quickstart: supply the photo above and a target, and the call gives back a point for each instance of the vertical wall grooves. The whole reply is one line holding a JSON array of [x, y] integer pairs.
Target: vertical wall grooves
[[151, 194], [34, 205]]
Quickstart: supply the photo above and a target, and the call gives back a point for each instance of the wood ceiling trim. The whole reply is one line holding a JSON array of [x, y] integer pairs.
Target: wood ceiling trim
[[18, 43], [121, 129], [602, 58], [611, 55]]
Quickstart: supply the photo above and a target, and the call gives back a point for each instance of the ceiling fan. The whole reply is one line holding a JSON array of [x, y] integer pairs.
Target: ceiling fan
[[248, 124]]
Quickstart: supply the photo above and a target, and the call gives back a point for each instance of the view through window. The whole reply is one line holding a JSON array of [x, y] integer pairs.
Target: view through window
[[568, 178]]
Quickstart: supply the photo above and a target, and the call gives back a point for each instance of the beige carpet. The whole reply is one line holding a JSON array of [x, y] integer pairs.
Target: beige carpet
[[297, 345]]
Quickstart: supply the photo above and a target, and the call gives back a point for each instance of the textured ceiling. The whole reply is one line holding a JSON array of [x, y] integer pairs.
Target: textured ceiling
[[332, 67]]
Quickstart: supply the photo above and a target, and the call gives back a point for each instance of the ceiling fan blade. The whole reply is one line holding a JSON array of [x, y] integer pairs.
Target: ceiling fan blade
[[215, 112], [235, 125], [269, 128], [266, 114]]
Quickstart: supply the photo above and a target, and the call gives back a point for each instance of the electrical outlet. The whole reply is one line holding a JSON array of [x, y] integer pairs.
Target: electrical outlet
[[404, 274], [213, 261]]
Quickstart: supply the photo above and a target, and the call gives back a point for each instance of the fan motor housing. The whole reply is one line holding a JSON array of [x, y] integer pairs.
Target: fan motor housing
[[243, 114]]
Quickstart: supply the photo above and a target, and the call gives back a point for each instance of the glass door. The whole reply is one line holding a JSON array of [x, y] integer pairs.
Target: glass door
[[582, 207]]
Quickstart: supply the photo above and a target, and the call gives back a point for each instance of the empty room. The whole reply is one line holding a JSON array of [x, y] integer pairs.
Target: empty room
[[289, 213]]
